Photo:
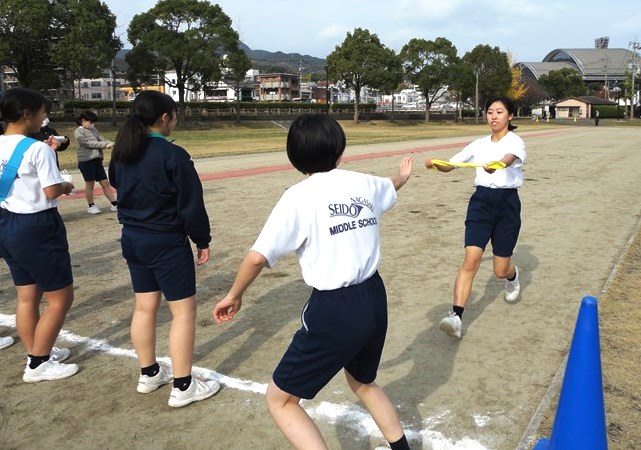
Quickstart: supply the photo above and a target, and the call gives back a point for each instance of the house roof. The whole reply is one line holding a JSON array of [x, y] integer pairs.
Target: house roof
[[589, 99], [594, 64]]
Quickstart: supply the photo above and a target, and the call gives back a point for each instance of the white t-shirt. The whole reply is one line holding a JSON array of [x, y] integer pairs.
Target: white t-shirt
[[332, 221], [483, 151], [37, 170]]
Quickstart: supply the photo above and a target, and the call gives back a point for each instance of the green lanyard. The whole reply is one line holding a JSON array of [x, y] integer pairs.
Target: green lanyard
[[159, 135]]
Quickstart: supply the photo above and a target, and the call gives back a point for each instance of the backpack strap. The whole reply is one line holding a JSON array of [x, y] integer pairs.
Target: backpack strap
[[11, 169]]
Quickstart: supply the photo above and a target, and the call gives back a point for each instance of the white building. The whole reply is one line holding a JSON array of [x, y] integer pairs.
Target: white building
[[221, 92], [99, 88]]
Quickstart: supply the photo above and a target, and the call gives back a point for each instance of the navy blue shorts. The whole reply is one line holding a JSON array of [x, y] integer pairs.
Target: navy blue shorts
[[493, 215], [159, 262], [35, 248], [92, 170], [342, 328]]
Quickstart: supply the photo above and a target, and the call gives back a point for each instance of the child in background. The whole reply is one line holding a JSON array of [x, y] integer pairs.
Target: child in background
[[331, 220], [91, 146]]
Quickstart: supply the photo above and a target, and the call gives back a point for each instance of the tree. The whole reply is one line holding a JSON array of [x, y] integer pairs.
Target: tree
[[534, 94], [430, 65], [462, 84], [27, 30], [492, 69], [392, 78], [562, 83], [88, 44], [188, 36], [361, 60], [518, 88], [235, 74]]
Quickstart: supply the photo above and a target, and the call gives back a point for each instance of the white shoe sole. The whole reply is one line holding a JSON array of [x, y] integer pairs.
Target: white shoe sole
[[149, 388], [204, 396], [447, 327], [8, 343], [28, 378], [511, 299]]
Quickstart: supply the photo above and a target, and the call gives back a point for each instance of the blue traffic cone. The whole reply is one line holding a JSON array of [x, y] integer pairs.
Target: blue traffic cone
[[580, 416]]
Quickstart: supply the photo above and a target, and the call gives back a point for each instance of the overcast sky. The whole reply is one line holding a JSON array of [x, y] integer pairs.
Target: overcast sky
[[529, 29]]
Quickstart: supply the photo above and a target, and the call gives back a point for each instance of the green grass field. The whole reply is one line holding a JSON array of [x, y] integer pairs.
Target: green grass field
[[227, 138]]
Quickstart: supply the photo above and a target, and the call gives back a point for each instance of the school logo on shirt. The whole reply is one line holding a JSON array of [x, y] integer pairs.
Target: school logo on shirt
[[352, 210]]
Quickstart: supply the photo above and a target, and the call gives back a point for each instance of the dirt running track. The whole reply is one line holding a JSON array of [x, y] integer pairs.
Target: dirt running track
[[580, 207]]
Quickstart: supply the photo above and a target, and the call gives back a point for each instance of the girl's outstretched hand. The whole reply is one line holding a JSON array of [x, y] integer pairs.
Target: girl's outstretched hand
[[404, 172], [428, 163], [226, 309], [405, 169]]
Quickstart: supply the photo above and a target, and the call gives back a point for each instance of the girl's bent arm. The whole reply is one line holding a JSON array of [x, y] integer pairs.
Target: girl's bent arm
[[56, 190], [250, 268]]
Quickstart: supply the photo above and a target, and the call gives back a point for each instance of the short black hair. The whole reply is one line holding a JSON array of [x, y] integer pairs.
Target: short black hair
[[315, 143], [87, 115], [16, 101], [507, 102], [509, 105]]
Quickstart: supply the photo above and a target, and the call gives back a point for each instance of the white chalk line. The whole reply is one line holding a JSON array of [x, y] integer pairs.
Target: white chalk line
[[347, 413]]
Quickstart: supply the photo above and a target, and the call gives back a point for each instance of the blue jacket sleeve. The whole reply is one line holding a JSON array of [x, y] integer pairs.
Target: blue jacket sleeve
[[191, 205], [112, 174]]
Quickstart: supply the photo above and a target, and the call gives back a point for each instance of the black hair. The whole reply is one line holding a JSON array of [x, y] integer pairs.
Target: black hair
[[315, 143], [87, 115], [509, 105], [148, 107], [18, 101]]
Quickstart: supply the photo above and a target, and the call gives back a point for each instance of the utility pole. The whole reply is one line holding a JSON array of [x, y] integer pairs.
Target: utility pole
[[605, 60], [113, 91], [476, 95], [635, 46], [476, 98], [300, 79]]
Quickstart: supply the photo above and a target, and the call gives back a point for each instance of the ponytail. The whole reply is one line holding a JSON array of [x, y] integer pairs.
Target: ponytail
[[511, 127], [129, 140], [147, 109]]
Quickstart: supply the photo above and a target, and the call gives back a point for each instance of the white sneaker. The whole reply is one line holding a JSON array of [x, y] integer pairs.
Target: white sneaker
[[50, 370], [113, 208], [93, 209], [198, 390], [512, 288], [451, 325], [147, 384], [5, 342], [59, 354]]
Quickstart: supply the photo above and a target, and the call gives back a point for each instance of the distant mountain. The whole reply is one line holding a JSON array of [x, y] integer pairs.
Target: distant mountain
[[266, 61]]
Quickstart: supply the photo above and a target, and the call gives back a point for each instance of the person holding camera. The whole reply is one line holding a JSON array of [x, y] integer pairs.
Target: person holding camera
[[46, 132], [91, 145]]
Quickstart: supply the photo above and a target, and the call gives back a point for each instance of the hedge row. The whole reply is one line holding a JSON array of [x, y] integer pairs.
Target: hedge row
[[74, 105], [609, 111]]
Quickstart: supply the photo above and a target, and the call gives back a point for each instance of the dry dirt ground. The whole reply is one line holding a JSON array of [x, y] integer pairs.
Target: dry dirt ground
[[581, 211]]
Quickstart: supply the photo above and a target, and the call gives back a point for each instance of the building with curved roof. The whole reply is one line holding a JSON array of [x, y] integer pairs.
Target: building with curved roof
[[594, 64]]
